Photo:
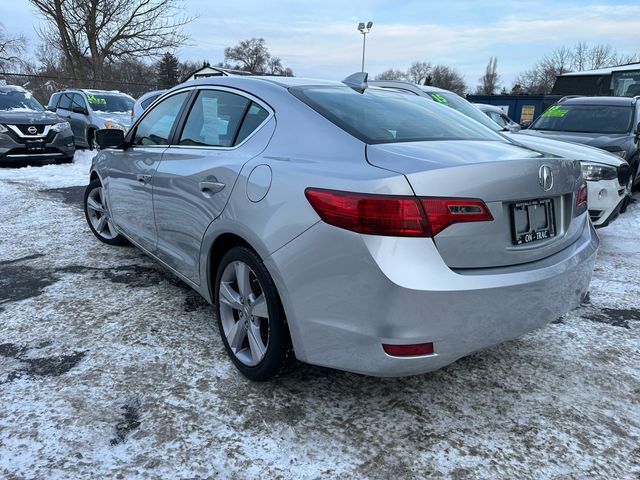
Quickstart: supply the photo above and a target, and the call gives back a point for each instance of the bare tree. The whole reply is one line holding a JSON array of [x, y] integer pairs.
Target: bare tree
[[540, 79], [93, 33], [442, 76], [11, 48], [252, 55], [581, 56], [419, 72], [601, 55], [490, 81], [391, 74]]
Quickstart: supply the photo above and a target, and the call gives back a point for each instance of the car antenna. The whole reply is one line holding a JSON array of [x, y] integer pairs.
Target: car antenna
[[357, 81]]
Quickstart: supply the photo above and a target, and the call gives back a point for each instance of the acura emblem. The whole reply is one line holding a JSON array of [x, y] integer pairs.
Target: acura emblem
[[545, 177], [32, 130]]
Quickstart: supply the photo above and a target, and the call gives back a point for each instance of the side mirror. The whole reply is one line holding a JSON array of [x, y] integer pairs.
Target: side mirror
[[525, 124], [51, 108], [77, 109], [110, 138], [637, 132]]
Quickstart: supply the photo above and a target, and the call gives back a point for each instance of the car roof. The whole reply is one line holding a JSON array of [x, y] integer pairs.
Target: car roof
[[485, 107], [285, 82], [12, 88], [605, 101], [403, 84]]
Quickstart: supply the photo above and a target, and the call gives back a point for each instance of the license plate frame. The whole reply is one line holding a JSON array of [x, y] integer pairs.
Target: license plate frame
[[532, 233], [35, 145]]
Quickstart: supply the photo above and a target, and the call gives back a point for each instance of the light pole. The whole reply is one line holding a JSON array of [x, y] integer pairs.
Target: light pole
[[364, 29]]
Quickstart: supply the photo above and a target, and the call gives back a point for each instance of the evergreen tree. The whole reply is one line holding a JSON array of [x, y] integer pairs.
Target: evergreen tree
[[168, 71]]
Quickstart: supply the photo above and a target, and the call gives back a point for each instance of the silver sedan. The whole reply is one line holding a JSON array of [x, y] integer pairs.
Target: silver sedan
[[343, 225]]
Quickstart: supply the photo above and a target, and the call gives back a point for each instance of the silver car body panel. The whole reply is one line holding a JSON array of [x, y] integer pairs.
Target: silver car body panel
[[344, 293]]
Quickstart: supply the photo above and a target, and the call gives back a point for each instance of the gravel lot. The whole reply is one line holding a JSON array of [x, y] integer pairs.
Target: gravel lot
[[112, 368]]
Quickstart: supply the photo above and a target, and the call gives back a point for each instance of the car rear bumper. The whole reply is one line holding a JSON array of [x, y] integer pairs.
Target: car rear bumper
[[345, 295], [605, 199]]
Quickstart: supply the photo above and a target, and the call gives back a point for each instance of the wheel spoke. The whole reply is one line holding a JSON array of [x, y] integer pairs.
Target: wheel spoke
[[259, 307], [242, 277], [255, 344], [102, 223], [101, 195], [93, 205], [229, 296], [236, 336], [111, 228]]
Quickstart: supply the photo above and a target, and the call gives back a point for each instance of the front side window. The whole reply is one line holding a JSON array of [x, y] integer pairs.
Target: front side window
[[585, 119], [65, 101], [155, 128], [382, 116], [78, 101], [214, 119]]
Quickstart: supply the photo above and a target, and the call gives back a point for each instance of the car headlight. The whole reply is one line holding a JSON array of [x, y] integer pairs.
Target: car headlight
[[61, 127], [620, 153], [3, 129], [117, 126], [594, 172]]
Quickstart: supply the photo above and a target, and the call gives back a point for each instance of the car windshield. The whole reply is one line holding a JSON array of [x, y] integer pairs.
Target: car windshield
[[463, 106], [585, 119], [110, 102], [379, 116], [18, 100]]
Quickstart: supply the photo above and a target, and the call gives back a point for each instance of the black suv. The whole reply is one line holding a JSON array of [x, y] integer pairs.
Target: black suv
[[609, 123], [28, 132]]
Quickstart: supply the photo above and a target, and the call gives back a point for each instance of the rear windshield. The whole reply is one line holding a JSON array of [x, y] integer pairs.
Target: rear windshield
[[110, 102], [382, 116], [18, 101], [585, 119]]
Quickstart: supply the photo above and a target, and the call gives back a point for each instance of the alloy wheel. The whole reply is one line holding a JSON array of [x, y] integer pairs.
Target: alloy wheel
[[98, 214], [244, 313]]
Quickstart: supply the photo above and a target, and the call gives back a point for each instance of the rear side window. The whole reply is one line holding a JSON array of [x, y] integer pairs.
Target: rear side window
[[65, 101], [155, 128], [254, 118], [214, 119], [381, 116], [145, 103]]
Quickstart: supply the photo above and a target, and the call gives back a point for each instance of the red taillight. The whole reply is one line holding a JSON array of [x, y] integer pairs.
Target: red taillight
[[394, 215], [443, 212], [581, 198], [408, 350]]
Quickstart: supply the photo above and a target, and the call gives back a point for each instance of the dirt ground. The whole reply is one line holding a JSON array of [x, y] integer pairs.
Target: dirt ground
[[112, 368]]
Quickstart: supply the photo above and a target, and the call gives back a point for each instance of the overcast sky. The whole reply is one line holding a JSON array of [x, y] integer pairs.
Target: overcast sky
[[319, 38]]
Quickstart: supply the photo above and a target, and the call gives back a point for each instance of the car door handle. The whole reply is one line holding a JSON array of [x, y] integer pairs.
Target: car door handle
[[144, 178], [211, 187]]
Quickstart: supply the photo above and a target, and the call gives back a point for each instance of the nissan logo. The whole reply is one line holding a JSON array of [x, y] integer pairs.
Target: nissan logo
[[545, 177], [32, 130]]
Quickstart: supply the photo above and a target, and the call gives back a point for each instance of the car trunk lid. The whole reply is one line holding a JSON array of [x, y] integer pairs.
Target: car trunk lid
[[508, 179]]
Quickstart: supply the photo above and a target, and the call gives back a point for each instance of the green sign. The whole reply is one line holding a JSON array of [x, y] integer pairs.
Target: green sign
[[555, 111], [438, 98], [93, 100]]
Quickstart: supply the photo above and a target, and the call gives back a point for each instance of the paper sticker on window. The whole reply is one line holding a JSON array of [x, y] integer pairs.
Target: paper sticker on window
[[438, 98], [555, 111], [93, 100]]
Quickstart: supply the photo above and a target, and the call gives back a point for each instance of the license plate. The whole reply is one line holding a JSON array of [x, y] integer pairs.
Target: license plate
[[532, 221], [35, 145]]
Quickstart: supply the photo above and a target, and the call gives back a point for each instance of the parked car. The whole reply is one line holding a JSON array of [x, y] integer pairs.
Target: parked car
[[143, 102], [28, 132], [91, 110], [609, 123], [607, 174], [364, 230], [499, 117]]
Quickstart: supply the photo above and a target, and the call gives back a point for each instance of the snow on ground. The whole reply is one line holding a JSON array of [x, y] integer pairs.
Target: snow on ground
[[112, 368]]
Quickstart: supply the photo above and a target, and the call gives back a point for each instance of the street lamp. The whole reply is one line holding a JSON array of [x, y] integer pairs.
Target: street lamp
[[364, 29]]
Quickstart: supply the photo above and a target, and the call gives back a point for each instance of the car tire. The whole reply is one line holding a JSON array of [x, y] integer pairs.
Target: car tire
[[250, 315], [96, 211], [91, 139]]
